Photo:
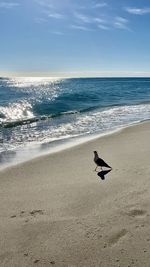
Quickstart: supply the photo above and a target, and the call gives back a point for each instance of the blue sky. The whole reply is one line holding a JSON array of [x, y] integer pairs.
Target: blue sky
[[75, 38]]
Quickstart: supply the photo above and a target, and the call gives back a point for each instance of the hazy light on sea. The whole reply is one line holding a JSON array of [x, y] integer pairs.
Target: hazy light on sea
[[31, 81]]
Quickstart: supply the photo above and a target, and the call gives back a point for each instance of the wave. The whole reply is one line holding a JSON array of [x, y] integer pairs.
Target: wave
[[94, 113], [26, 120], [14, 123]]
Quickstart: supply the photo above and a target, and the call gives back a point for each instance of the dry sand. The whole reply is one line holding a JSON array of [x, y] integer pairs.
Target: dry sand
[[55, 210]]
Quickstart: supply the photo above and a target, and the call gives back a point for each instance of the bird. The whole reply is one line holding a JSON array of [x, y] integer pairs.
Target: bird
[[100, 162]]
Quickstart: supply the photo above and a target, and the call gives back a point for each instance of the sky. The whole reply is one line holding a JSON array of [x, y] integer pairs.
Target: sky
[[74, 38]]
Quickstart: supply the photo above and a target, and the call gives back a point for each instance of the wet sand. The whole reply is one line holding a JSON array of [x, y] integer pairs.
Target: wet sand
[[56, 211]]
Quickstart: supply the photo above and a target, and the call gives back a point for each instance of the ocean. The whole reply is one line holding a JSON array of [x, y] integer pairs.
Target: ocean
[[40, 115]]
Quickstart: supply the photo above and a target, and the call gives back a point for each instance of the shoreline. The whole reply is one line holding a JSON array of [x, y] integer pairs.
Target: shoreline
[[64, 145], [55, 210]]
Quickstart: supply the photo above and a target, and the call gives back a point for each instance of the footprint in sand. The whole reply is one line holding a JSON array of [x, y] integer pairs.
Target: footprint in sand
[[136, 213], [117, 237], [52, 262], [26, 254], [24, 214], [13, 216], [94, 234], [36, 261], [35, 212]]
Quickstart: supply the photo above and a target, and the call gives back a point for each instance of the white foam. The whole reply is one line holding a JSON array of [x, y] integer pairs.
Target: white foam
[[16, 111]]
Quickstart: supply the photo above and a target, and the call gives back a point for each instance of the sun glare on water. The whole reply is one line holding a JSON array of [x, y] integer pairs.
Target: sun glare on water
[[32, 81]]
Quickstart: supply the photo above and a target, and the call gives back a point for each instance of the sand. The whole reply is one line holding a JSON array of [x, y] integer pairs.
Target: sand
[[56, 211]]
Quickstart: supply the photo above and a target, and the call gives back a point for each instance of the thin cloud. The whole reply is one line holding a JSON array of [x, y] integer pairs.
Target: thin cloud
[[122, 20], [44, 3], [40, 20], [99, 20], [89, 19], [8, 5], [138, 11], [56, 16], [82, 17], [103, 27], [80, 27], [100, 5], [121, 23], [57, 33]]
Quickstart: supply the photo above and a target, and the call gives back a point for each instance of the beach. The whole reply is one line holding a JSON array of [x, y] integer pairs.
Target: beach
[[56, 211]]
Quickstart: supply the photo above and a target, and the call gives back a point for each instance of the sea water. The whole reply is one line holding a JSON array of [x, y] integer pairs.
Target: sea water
[[40, 114]]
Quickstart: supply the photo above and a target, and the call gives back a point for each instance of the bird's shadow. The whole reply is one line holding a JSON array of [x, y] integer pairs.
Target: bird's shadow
[[102, 174]]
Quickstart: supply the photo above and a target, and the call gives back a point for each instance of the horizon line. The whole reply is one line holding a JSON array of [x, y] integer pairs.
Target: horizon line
[[77, 74], [74, 77]]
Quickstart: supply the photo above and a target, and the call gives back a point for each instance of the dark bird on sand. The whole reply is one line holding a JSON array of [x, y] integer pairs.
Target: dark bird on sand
[[100, 162]]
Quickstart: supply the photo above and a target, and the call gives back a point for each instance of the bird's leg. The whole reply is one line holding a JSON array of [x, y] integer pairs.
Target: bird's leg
[[95, 169]]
